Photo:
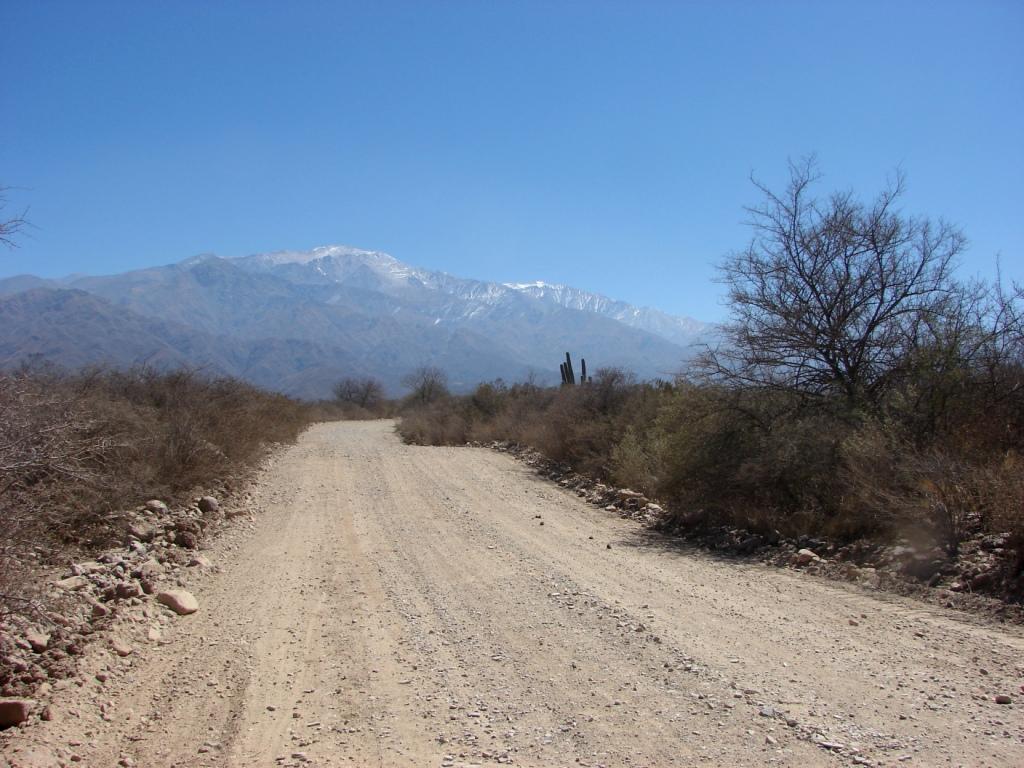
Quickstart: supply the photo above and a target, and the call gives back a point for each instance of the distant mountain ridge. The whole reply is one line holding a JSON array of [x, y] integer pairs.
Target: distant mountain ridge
[[337, 263], [344, 311]]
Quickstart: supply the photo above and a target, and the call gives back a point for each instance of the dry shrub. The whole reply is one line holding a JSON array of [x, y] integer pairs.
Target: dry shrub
[[875, 482], [75, 449], [1002, 492], [441, 422], [745, 460], [633, 464], [931, 495]]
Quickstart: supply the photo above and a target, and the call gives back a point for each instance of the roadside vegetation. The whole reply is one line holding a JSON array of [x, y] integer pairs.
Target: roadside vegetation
[[858, 391], [77, 449]]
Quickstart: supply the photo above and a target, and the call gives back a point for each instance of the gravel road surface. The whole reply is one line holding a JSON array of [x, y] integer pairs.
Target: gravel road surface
[[393, 605]]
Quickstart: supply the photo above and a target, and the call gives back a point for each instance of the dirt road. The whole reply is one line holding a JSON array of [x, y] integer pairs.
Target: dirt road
[[407, 606]]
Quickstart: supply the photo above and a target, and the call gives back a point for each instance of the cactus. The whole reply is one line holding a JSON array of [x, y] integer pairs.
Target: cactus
[[568, 374]]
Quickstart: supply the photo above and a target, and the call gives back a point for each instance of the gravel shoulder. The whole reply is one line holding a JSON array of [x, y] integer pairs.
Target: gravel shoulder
[[398, 605]]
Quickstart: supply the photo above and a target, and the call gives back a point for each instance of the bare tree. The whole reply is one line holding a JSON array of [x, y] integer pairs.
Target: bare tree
[[12, 226], [831, 294], [427, 384], [364, 391]]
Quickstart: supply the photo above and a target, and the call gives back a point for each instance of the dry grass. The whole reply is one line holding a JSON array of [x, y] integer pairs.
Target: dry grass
[[76, 449]]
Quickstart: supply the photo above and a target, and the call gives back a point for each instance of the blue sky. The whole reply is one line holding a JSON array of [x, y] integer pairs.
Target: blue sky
[[607, 145]]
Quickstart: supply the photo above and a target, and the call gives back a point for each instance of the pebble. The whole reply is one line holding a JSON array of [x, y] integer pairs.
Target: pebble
[[120, 647]]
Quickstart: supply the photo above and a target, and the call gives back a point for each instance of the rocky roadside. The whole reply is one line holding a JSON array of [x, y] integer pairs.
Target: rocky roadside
[[104, 608], [979, 579]]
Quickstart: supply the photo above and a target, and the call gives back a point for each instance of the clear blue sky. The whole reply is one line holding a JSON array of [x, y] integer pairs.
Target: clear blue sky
[[603, 144]]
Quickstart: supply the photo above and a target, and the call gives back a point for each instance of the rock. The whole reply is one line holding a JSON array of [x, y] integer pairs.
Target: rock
[[805, 556], [157, 506], [73, 583], [1002, 698], [179, 601], [199, 561], [921, 566], [208, 504], [15, 711], [982, 580], [850, 571], [142, 530], [186, 539], [993, 542], [127, 589], [137, 547], [153, 635], [120, 647], [88, 567], [150, 570], [39, 641], [749, 544], [99, 610]]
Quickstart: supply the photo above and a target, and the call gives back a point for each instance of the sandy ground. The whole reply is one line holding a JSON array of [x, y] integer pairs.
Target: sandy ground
[[406, 606]]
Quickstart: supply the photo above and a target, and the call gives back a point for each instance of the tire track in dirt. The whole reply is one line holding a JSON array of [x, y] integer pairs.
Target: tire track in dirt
[[405, 606]]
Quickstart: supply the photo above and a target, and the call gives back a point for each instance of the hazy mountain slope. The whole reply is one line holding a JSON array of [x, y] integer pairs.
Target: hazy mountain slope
[[299, 321], [19, 283], [379, 336], [74, 328]]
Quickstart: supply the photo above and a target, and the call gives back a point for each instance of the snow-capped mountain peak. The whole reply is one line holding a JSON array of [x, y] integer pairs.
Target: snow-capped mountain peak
[[534, 284], [359, 268]]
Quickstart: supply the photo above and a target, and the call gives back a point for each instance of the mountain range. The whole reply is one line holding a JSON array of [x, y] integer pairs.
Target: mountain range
[[297, 321]]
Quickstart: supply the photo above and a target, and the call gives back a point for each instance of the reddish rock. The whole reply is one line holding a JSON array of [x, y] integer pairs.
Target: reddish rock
[[15, 711], [179, 601], [805, 556], [39, 641]]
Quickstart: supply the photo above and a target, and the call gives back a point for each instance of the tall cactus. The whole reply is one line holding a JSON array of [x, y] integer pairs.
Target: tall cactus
[[568, 374]]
